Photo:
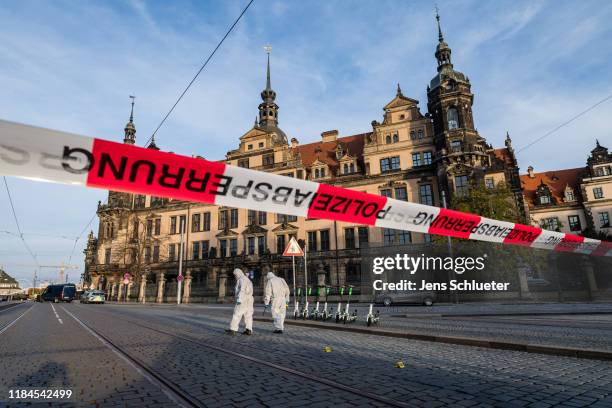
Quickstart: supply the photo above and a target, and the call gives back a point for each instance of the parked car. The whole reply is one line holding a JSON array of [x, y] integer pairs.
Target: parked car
[[426, 298], [93, 296], [65, 292]]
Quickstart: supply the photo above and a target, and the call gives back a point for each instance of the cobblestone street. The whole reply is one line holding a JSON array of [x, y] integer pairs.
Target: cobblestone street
[[141, 355]]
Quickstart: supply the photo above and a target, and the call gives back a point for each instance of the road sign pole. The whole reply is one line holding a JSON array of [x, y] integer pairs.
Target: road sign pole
[[179, 280], [294, 296], [305, 277]]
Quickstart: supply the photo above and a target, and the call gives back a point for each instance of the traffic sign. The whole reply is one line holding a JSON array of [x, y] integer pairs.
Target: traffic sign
[[293, 248], [180, 278]]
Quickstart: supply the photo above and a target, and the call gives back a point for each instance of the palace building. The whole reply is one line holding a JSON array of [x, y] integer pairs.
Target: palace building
[[573, 200], [409, 155]]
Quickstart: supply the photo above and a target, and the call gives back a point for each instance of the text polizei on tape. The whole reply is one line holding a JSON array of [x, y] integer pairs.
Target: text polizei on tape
[[42, 154]]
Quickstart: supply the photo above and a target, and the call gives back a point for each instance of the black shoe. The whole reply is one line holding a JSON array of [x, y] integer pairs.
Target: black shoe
[[230, 332], [247, 332], [277, 332]]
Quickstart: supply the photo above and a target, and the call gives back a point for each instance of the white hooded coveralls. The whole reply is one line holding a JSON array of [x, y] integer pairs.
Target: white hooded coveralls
[[278, 293], [244, 301]]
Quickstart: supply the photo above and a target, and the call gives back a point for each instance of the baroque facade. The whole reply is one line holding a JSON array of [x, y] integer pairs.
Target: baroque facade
[[409, 155], [575, 200]]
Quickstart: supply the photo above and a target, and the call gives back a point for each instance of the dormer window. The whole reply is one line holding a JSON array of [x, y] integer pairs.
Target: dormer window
[[452, 117], [569, 194], [544, 199], [339, 152], [349, 168], [456, 146]]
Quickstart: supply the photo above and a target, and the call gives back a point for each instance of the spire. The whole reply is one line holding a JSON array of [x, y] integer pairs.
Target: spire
[[152, 145], [130, 129], [443, 51], [440, 36], [268, 49], [268, 109], [399, 90]]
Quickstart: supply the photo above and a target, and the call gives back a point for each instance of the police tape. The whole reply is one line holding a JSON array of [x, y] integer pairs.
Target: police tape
[[48, 155]]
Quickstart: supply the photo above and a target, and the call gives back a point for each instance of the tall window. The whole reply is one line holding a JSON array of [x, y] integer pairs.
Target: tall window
[[604, 220], [195, 222], [390, 164], [388, 139], [427, 158], [453, 118], [349, 238], [420, 134], [147, 254], [426, 194], [401, 193], [416, 160], [312, 241], [280, 244], [182, 223], [263, 218], [149, 228], [205, 249], [261, 245], [574, 223], [598, 192], [412, 135], [393, 237], [171, 252], [324, 234], [251, 245], [223, 248], [206, 221], [489, 183], [173, 225], [196, 250], [364, 236], [222, 219], [346, 168], [461, 185], [395, 138], [388, 235], [252, 217], [569, 195], [157, 226], [155, 253], [234, 218], [107, 256], [233, 247]]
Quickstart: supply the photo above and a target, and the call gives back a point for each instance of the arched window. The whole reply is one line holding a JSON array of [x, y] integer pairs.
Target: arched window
[[388, 139], [453, 118], [395, 138], [345, 168], [316, 173], [352, 167], [412, 135], [323, 172]]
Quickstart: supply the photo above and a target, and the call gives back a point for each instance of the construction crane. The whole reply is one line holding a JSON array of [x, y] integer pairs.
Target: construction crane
[[62, 269]]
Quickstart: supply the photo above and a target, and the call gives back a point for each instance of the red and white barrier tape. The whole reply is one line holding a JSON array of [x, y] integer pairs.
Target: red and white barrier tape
[[43, 154]]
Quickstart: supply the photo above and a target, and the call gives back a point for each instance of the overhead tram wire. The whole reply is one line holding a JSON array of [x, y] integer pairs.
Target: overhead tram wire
[[590, 108], [25, 244], [79, 237], [199, 71]]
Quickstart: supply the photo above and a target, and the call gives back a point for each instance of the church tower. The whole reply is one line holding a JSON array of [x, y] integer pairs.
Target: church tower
[[461, 152], [268, 109], [130, 129]]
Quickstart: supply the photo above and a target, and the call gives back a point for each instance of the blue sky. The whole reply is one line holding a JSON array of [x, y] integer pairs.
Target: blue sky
[[70, 65]]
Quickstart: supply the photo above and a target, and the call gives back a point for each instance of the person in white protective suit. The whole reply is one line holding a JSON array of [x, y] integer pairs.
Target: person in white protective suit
[[277, 295], [244, 304]]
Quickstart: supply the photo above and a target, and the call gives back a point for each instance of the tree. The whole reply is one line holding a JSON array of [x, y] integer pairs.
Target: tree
[[497, 202]]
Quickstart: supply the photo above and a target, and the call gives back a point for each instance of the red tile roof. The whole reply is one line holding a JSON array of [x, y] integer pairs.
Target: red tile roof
[[556, 180], [504, 155], [326, 152]]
